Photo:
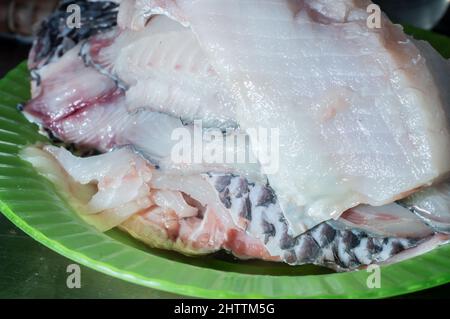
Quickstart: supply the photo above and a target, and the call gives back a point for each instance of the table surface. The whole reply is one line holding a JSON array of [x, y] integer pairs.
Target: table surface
[[30, 270]]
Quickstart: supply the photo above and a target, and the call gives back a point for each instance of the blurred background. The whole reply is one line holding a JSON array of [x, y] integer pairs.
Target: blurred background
[[425, 14], [28, 269]]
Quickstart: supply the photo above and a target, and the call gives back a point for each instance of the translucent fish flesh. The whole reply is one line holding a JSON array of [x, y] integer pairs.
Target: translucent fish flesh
[[361, 114]]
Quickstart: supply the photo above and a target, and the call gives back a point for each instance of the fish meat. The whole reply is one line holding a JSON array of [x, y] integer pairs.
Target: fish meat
[[183, 214], [431, 204], [99, 117], [361, 103], [361, 116], [184, 82]]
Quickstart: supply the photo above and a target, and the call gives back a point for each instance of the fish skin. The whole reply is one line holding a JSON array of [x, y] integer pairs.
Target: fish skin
[[391, 220], [182, 81], [90, 186], [58, 96], [54, 37], [339, 245], [365, 104]]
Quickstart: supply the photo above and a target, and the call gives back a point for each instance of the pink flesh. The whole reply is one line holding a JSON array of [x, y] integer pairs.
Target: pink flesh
[[85, 100], [207, 234], [67, 87], [390, 220]]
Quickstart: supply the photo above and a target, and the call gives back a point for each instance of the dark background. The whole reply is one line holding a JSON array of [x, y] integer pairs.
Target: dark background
[[444, 25], [30, 270]]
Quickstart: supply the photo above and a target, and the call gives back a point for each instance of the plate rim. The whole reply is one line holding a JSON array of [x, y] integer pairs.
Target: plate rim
[[200, 292]]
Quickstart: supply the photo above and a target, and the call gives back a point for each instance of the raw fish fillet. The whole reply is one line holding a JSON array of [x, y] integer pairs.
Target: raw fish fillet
[[361, 114], [166, 57], [433, 206]]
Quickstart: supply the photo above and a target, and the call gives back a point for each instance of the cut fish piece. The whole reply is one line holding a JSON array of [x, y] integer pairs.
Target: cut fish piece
[[386, 221], [120, 177], [361, 114], [165, 70], [208, 222], [432, 205], [95, 188], [167, 222], [425, 247], [176, 202], [97, 117]]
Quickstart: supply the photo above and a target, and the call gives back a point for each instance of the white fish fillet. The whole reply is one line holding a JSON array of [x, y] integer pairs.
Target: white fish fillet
[[204, 213], [361, 114], [433, 206], [166, 70], [99, 117]]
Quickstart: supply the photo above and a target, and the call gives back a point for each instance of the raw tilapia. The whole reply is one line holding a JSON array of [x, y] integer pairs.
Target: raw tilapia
[[364, 141]]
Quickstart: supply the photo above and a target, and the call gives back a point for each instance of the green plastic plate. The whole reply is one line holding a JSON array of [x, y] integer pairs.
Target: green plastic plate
[[32, 203]]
